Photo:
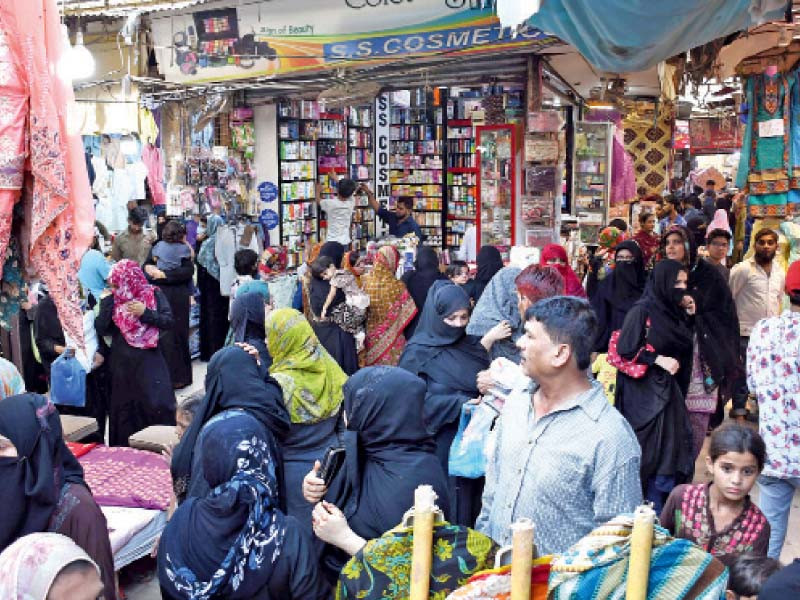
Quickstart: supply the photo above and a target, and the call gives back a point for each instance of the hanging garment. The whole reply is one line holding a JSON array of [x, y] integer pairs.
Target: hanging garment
[[61, 221], [153, 159], [765, 166], [225, 250], [623, 180]]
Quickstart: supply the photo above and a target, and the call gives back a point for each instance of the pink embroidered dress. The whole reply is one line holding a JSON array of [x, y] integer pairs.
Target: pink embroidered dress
[[38, 153]]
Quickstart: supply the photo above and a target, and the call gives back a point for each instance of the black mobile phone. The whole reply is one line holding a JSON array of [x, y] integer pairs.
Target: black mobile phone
[[331, 463]]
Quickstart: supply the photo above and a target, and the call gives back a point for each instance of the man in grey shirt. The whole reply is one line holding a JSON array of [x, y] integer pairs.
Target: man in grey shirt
[[563, 456]]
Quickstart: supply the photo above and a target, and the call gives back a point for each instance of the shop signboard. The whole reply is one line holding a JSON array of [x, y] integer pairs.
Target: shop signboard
[[268, 218], [215, 41], [383, 189], [718, 134]]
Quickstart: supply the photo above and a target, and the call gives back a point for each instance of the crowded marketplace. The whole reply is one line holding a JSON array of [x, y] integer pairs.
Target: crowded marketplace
[[399, 299]]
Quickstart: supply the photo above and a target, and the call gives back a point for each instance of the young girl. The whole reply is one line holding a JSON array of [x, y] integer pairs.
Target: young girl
[[719, 516], [350, 315], [458, 272]]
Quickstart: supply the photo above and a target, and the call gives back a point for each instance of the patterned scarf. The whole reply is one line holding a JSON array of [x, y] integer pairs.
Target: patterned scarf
[[311, 380], [391, 308], [129, 284]]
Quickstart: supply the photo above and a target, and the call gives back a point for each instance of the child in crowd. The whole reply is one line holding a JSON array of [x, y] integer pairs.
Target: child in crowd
[[747, 574], [719, 516], [458, 272], [350, 315], [339, 210], [173, 248], [245, 262]]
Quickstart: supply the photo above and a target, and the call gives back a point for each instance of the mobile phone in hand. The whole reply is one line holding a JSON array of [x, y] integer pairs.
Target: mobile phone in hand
[[331, 463]]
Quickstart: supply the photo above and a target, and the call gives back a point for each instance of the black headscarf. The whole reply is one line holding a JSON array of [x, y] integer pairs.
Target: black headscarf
[[233, 380], [226, 543], [419, 281], [389, 452], [670, 332], [333, 250], [629, 278], [30, 483], [248, 317], [445, 353], [490, 261]]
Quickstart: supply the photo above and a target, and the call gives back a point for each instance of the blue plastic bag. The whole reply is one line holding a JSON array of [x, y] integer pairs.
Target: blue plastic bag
[[468, 451], [68, 380]]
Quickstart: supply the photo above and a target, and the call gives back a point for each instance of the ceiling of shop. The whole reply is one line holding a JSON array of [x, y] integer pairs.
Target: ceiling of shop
[[584, 77]]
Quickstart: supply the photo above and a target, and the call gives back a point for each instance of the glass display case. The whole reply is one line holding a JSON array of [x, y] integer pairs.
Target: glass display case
[[592, 176], [496, 146]]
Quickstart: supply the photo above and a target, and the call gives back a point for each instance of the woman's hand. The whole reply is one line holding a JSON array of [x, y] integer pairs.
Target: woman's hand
[[314, 487], [135, 308], [670, 365], [500, 331], [485, 381], [251, 350], [154, 272], [330, 525], [99, 359], [689, 305]]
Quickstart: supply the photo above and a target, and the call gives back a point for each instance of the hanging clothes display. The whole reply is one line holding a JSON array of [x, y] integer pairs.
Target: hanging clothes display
[[765, 167], [34, 103], [153, 159]]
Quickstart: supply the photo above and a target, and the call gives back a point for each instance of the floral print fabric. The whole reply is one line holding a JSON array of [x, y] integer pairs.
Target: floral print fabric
[[391, 309], [773, 374], [130, 285], [59, 214], [29, 566], [382, 569], [310, 379]]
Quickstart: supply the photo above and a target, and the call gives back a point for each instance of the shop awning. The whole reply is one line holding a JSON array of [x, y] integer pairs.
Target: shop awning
[[622, 36]]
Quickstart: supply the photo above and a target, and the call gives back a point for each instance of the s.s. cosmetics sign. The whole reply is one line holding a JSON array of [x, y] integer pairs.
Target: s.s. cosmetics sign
[[272, 37]]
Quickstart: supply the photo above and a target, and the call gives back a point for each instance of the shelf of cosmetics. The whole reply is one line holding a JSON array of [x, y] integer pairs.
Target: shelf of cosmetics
[[414, 177], [416, 132], [416, 115], [360, 116], [427, 148]]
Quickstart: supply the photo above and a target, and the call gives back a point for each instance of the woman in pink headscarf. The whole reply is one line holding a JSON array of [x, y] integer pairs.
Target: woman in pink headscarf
[[133, 312], [555, 256]]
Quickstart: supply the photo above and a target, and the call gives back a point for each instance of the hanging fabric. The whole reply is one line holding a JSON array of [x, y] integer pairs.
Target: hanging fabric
[[61, 216]]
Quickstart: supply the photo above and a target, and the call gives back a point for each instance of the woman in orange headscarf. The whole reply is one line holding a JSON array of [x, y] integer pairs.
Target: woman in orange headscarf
[[391, 309]]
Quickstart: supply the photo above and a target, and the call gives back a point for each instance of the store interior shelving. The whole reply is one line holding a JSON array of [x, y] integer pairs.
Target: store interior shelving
[[361, 165], [416, 160], [297, 156]]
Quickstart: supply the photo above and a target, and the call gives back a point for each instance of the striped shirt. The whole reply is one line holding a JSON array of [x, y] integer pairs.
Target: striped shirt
[[569, 471]]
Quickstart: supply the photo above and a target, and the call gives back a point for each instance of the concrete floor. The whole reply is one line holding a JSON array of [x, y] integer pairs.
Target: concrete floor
[[139, 581]]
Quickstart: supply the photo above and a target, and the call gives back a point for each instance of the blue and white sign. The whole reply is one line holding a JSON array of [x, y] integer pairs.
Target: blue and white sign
[[268, 191], [268, 218]]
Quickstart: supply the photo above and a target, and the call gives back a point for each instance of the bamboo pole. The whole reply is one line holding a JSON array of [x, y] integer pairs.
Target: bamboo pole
[[422, 549], [521, 559], [641, 550]]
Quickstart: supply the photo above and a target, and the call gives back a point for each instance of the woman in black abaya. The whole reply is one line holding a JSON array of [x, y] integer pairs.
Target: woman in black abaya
[[388, 454], [448, 360], [490, 261], [213, 305], [339, 344], [175, 284], [419, 281], [654, 405], [618, 291]]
